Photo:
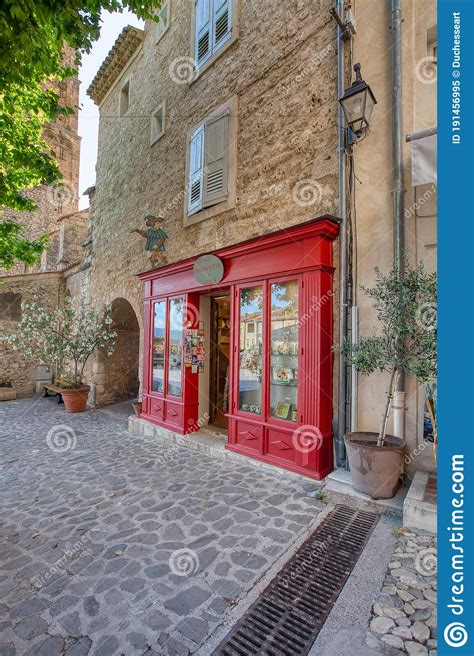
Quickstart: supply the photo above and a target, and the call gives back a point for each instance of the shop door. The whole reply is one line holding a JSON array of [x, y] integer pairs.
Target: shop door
[[219, 360]]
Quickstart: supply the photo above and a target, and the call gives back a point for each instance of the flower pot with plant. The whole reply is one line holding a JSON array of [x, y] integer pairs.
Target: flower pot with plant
[[64, 338], [406, 309]]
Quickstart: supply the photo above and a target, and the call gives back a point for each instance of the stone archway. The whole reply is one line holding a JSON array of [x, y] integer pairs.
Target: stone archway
[[116, 376]]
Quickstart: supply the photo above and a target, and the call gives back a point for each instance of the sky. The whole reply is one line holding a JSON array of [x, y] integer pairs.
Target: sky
[[89, 112]]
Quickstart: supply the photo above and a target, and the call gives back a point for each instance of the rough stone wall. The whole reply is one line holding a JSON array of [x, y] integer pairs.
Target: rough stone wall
[[15, 367], [282, 67]]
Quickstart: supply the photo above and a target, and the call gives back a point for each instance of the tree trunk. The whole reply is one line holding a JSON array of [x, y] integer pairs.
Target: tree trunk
[[386, 412]]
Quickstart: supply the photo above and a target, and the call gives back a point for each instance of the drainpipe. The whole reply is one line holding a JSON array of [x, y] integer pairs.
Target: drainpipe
[[398, 188], [341, 422]]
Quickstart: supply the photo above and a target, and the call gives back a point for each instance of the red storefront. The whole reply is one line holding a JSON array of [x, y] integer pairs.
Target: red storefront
[[242, 339]]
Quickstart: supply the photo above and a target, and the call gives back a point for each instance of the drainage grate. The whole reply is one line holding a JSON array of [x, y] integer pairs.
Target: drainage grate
[[288, 615]]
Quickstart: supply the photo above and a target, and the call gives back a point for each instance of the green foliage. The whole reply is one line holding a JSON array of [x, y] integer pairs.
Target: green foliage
[[14, 246], [406, 310], [33, 34], [63, 336], [407, 341]]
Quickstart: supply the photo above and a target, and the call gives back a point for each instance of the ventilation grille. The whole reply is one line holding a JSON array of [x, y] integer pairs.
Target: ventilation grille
[[290, 612], [203, 46], [195, 191], [222, 26], [214, 182]]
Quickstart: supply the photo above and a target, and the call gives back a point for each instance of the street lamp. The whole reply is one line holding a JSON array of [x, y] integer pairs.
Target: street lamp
[[357, 103]]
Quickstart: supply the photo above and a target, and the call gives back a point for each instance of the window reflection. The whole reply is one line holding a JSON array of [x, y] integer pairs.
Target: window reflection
[[159, 326], [284, 351], [175, 350], [250, 376]]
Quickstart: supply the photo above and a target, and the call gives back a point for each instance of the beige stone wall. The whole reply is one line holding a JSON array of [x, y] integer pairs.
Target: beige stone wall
[[282, 69], [373, 162], [285, 82], [14, 366]]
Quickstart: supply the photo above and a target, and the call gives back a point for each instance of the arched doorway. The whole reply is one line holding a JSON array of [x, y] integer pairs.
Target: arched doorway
[[116, 376]]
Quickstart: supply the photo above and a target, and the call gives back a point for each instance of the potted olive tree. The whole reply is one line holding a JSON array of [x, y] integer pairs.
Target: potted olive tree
[[406, 310], [64, 338]]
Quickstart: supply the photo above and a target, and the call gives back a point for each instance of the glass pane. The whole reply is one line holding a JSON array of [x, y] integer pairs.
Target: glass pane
[[250, 376], [284, 351], [159, 346], [175, 346]]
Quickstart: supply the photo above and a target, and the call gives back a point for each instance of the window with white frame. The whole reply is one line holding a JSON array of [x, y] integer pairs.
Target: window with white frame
[[157, 123], [163, 14], [124, 98], [213, 27], [208, 163]]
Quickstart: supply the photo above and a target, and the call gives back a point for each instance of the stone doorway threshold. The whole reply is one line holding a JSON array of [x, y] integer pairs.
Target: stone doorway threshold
[[209, 440]]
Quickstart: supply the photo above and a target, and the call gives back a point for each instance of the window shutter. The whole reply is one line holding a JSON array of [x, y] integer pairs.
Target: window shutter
[[195, 170], [203, 45], [221, 21], [216, 149]]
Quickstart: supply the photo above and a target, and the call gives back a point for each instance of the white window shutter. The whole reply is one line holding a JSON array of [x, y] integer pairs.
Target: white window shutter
[[195, 183], [221, 21], [203, 36], [216, 149]]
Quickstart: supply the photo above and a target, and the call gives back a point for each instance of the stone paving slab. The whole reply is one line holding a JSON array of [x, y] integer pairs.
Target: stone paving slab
[[118, 544]]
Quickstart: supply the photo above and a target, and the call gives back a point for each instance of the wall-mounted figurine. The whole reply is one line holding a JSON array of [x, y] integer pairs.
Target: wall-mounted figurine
[[155, 239]]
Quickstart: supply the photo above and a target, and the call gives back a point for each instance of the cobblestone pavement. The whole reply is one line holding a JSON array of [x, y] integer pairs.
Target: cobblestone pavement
[[116, 544], [404, 614]]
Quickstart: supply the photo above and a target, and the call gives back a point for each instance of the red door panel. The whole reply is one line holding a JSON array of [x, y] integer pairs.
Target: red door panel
[[280, 445], [249, 436]]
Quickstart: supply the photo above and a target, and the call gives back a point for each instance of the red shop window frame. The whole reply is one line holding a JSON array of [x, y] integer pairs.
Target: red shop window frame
[[264, 416], [165, 394]]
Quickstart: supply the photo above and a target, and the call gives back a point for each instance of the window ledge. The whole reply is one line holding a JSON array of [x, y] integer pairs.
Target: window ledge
[[209, 212], [153, 140]]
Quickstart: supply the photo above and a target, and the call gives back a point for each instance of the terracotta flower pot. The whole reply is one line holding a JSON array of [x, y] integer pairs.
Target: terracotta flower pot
[[376, 471], [75, 400], [137, 408]]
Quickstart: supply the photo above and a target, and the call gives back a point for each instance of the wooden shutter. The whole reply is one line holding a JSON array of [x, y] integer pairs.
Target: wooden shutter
[[221, 22], [195, 170], [216, 147], [203, 37]]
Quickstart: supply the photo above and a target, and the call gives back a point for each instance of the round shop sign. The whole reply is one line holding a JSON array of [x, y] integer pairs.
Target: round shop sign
[[208, 270]]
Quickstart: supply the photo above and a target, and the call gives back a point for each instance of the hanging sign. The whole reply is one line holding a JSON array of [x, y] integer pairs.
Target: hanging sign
[[208, 269]]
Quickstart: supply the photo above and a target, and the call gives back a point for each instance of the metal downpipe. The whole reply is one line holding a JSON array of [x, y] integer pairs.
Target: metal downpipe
[[341, 422], [398, 188]]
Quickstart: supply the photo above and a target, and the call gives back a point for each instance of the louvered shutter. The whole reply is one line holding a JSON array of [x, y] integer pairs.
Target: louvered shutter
[[196, 170], [203, 45], [216, 149], [221, 22]]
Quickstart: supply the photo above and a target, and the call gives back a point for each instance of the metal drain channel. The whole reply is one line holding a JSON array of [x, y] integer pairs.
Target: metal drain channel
[[288, 615]]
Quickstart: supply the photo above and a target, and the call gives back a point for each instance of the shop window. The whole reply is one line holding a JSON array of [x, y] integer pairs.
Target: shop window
[[251, 346], [124, 98], [157, 123], [164, 15], [159, 330], [175, 348], [213, 28], [284, 351]]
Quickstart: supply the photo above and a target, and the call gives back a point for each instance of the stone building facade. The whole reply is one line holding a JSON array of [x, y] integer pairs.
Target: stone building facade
[[277, 76]]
